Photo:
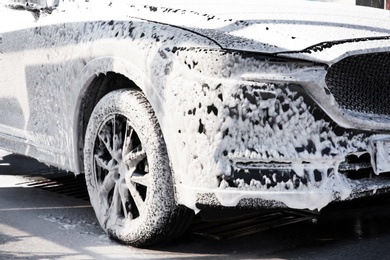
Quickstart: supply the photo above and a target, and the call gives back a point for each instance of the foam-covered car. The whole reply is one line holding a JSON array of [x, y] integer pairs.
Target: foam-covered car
[[169, 107]]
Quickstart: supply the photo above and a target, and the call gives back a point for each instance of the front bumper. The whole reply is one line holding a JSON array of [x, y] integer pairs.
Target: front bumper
[[273, 136]]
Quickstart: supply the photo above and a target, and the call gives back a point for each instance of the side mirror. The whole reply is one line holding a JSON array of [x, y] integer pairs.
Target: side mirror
[[43, 3]]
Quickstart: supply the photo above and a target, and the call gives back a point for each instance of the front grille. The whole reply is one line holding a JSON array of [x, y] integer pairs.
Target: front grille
[[361, 83]]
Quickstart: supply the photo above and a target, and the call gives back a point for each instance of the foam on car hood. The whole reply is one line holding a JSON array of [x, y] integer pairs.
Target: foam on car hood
[[290, 28], [269, 26]]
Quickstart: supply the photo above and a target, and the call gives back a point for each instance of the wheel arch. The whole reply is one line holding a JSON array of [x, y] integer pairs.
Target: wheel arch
[[97, 78]]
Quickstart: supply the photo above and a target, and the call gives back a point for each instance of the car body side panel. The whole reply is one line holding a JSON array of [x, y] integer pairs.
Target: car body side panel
[[53, 64], [31, 87]]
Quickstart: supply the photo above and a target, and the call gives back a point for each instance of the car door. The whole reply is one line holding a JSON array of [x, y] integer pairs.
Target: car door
[[31, 79]]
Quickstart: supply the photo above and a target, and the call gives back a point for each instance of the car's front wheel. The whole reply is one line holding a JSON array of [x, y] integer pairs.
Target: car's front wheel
[[127, 172]]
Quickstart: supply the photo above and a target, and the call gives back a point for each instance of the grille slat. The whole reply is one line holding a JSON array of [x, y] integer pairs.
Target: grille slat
[[361, 83]]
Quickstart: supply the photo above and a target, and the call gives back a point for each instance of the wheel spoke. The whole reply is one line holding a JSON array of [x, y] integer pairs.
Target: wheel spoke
[[117, 139], [115, 207], [140, 178], [136, 196], [107, 185], [133, 158], [113, 123], [125, 198], [127, 145], [104, 164], [105, 136]]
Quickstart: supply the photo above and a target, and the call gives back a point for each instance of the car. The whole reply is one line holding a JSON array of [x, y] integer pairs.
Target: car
[[173, 107]]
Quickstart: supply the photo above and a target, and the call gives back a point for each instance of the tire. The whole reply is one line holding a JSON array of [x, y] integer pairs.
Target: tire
[[127, 172]]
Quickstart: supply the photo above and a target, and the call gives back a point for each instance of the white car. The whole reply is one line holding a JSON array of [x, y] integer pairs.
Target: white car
[[172, 107]]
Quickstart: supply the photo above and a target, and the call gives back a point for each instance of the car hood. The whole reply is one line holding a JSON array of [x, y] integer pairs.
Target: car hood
[[282, 26]]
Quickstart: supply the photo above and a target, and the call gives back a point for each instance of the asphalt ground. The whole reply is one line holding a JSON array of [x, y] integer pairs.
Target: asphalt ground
[[45, 214]]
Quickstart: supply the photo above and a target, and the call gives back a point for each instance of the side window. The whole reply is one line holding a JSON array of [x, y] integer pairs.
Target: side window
[[34, 4]]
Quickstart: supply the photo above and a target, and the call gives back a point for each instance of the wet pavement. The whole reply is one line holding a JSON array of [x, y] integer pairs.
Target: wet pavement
[[44, 214]]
